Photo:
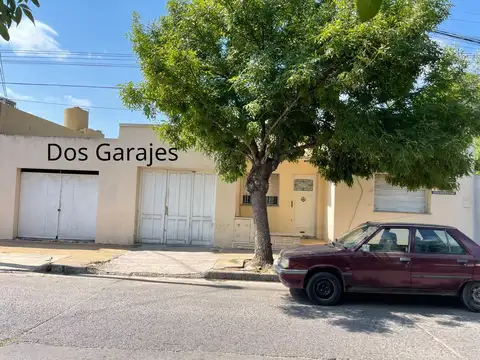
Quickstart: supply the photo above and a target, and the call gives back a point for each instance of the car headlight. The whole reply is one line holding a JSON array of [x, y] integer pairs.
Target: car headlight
[[283, 262]]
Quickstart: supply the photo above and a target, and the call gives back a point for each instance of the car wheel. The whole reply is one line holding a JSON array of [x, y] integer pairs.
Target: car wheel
[[324, 289], [471, 296]]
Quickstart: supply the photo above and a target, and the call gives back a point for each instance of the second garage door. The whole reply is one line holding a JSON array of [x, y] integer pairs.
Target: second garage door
[[58, 205], [177, 208]]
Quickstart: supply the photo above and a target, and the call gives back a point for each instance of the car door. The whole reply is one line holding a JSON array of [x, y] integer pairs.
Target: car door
[[439, 261], [383, 262]]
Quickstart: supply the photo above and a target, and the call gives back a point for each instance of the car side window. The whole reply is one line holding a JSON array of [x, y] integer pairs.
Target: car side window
[[390, 240], [436, 241]]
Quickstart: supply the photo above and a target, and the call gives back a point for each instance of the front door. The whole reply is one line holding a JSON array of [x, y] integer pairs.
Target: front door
[[386, 262], [439, 262], [304, 203]]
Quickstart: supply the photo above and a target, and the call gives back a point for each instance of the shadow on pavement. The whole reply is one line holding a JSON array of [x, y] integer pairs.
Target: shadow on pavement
[[155, 281], [15, 267], [372, 313]]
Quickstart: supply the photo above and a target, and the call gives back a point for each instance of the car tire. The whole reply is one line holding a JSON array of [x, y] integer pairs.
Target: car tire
[[324, 289], [471, 296]]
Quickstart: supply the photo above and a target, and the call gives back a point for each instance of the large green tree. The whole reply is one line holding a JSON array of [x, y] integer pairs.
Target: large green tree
[[263, 81], [12, 11]]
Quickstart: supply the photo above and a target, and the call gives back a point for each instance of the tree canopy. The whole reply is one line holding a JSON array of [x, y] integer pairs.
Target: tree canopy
[[268, 79], [13, 11]]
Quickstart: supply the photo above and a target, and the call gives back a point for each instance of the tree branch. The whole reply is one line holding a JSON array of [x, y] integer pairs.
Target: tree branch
[[243, 141], [302, 147], [279, 119]]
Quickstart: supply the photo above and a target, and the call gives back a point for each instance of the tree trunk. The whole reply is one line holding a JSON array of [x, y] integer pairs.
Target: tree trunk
[[257, 186]]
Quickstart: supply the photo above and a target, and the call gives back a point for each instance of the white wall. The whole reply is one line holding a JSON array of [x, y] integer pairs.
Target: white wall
[[455, 210]]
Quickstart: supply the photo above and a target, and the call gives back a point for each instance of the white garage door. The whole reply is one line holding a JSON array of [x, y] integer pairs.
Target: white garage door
[[177, 208], [58, 206], [396, 199]]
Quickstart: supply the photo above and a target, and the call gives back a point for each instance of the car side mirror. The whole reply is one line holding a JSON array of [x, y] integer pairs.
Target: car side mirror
[[365, 248]]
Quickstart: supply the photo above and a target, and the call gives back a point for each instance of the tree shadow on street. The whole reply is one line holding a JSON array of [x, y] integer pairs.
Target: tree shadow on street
[[372, 313]]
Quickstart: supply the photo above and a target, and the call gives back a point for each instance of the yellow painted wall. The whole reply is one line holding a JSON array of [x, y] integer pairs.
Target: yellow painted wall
[[455, 210], [17, 122], [281, 217], [118, 182]]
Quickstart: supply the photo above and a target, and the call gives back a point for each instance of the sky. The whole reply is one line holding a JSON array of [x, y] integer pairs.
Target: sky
[[92, 32]]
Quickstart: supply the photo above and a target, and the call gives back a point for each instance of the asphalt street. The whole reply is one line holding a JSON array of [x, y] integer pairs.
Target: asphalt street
[[84, 317]]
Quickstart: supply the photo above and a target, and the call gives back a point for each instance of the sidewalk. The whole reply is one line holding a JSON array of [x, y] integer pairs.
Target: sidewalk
[[62, 257], [145, 260]]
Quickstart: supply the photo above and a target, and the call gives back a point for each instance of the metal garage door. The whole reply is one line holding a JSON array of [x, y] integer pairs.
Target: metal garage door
[[396, 199], [177, 207], [58, 205]]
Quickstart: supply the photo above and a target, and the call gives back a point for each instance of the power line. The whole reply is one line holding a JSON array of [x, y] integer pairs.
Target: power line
[[2, 73], [457, 36], [63, 85], [59, 53], [65, 104], [463, 20], [53, 57], [129, 66]]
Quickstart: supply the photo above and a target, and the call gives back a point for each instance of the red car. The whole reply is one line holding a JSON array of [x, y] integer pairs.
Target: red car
[[398, 258]]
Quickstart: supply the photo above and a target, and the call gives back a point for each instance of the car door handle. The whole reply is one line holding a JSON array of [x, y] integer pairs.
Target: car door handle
[[462, 261], [404, 259]]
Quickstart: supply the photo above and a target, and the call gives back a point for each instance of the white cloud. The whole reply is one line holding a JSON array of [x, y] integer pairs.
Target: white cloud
[[16, 96], [39, 38], [77, 101]]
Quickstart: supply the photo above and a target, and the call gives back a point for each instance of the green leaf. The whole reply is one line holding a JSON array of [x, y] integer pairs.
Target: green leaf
[[12, 5], [4, 32], [36, 3], [367, 9], [18, 15], [29, 14]]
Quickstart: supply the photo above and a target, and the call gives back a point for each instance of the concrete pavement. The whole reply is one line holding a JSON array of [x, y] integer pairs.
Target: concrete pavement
[[21, 255], [145, 260], [98, 317]]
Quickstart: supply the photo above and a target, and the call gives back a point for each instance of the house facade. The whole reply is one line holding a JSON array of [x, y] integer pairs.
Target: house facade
[[70, 183], [303, 204]]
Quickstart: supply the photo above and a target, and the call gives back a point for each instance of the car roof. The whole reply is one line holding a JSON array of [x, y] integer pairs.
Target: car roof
[[390, 223]]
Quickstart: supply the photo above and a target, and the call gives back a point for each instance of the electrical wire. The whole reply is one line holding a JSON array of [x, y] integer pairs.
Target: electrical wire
[[59, 53], [129, 66], [2, 74], [63, 85], [458, 36], [65, 104], [464, 20]]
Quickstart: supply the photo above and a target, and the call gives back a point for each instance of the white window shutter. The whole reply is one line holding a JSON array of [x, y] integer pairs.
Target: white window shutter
[[396, 199], [273, 185]]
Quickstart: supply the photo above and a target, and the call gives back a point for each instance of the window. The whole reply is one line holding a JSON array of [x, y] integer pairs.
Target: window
[[303, 185], [352, 238], [272, 194], [436, 241], [396, 199], [390, 240]]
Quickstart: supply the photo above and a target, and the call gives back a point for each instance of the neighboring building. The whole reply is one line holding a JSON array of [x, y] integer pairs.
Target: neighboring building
[[16, 122], [179, 199]]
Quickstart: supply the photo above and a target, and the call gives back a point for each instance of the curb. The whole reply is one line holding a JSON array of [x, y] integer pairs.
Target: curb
[[65, 269], [240, 275], [151, 275], [209, 275]]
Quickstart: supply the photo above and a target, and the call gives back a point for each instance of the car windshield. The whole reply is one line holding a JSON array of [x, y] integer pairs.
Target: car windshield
[[352, 238]]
